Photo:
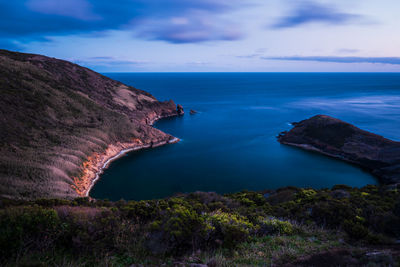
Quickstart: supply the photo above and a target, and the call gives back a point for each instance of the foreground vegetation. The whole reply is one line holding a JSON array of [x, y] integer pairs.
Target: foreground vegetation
[[295, 226]]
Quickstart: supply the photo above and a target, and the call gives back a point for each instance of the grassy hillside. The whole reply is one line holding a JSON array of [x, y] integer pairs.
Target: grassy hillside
[[55, 114], [341, 226]]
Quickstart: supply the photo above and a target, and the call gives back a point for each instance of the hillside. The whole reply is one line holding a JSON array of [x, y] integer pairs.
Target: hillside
[[60, 122]]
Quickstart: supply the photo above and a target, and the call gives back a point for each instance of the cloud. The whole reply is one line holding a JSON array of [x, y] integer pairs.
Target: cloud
[[379, 60], [79, 9], [10, 45], [198, 63], [310, 12], [194, 27], [249, 56], [175, 21], [347, 51], [107, 61], [257, 54]]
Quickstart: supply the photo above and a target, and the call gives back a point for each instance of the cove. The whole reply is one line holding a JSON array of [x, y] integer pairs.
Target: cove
[[230, 144]]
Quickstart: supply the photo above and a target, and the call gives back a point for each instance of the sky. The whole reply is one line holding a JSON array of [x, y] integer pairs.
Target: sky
[[208, 35]]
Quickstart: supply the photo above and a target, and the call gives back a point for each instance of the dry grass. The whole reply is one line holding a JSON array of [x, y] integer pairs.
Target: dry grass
[[54, 114]]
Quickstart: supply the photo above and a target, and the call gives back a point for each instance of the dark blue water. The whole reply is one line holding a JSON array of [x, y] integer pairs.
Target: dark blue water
[[230, 144]]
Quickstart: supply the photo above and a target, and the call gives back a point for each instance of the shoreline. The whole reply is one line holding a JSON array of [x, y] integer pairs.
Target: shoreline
[[95, 164], [370, 152], [311, 148], [121, 154]]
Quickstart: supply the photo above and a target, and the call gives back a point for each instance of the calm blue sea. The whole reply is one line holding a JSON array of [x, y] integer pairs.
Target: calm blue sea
[[230, 145]]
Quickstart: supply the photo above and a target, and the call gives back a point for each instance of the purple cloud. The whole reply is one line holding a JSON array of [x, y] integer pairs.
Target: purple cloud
[[379, 60], [175, 21], [107, 61], [310, 12], [192, 27], [249, 56]]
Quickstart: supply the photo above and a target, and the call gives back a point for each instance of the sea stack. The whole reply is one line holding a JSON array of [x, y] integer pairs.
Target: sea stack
[[180, 110], [339, 139]]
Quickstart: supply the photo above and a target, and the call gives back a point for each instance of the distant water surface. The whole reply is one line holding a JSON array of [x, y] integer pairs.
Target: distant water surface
[[230, 144]]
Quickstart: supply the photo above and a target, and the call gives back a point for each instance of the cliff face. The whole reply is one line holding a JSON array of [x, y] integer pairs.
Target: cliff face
[[56, 116], [342, 140]]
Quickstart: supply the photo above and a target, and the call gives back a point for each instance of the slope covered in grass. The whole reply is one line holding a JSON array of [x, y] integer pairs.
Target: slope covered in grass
[[55, 114]]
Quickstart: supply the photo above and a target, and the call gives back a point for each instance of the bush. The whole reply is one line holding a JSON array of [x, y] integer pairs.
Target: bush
[[355, 230], [249, 199], [27, 228], [142, 211], [275, 226], [305, 195], [229, 229], [90, 229], [179, 229]]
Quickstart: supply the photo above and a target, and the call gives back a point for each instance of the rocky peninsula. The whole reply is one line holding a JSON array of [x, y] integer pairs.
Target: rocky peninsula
[[62, 123], [338, 139]]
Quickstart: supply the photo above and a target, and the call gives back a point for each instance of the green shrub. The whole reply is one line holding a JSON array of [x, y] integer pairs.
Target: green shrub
[[90, 229], [27, 228], [332, 213], [179, 229], [249, 199], [305, 195], [229, 229], [275, 226], [355, 230], [141, 211]]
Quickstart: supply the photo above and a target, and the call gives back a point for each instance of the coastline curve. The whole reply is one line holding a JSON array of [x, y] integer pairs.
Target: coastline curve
[[98, 162]]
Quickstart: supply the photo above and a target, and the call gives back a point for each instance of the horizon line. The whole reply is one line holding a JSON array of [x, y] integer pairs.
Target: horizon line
[[360, 72]]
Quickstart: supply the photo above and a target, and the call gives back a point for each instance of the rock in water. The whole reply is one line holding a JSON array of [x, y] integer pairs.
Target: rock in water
[[336, 138], [179, 109]]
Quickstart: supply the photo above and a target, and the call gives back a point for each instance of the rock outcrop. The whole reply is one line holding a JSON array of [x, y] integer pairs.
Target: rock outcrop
[[180, 110], [60, 122], [336, 138]]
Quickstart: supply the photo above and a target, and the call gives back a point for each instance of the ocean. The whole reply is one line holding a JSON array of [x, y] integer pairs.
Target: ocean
[[230, 144]]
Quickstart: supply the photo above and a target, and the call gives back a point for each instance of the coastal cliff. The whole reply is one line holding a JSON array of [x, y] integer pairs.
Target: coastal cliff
[[336, 138], [62, 123]]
